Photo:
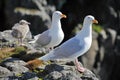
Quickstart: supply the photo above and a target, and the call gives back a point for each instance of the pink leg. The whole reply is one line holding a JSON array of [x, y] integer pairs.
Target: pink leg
[[79, 68]]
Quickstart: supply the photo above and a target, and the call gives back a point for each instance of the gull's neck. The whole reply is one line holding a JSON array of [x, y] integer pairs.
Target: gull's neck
[[56, 24], [86, 30]]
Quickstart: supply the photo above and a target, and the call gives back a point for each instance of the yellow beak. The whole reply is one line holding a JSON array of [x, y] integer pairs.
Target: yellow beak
[[63, 16], [95, 21]]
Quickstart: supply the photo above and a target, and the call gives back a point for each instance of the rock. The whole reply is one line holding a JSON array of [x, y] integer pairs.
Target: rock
[[7, 36], [1, 36], [110, 58], [15, 65], [88, 75], [14, 70], [29, 75], [4, 71], [65, 72], [112, 35], [53, 75], [117, 48], [50, 71], [5, 74]]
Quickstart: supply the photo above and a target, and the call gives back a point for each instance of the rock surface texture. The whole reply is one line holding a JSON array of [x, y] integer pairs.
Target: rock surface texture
[[13, 68]]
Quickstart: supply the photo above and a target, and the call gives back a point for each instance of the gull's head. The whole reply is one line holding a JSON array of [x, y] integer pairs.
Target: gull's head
[[58, 15], [23, 22], [90, 19]]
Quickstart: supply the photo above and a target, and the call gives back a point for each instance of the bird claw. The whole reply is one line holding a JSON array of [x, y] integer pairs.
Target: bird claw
[[81, 69]]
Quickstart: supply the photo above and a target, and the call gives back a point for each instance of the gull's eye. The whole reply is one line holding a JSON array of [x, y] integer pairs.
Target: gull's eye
[[88, 17], [57, 13]]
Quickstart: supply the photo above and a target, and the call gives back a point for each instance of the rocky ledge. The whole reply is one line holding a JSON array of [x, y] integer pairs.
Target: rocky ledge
[[14, 69]]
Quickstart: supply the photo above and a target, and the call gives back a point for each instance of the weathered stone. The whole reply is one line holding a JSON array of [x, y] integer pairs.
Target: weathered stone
[[7, 36], [88, 75], [15, 65], [29, 75], [4, 71], [65, 72], [1, 36]]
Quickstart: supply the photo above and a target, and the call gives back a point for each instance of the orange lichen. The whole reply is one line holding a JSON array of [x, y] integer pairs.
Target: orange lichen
[[34, 64]]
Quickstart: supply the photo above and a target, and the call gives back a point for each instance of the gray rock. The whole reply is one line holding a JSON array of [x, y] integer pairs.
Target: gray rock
[[20, 76], [117, 49], [4, 71], [54, 75], [65, 72], [29, 75], [15, 65], [7, 36], [1, 36], [50, 72], [103, 34], [88, 75], [112, 35], [110, 60]]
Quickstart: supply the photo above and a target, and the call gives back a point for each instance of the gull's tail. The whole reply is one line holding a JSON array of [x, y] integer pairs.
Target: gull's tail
[[32, 42], [38, 62], [48, 56]]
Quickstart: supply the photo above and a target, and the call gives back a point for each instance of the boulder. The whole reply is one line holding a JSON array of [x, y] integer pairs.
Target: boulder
[[4, 71], [66, 72], [15, 65]]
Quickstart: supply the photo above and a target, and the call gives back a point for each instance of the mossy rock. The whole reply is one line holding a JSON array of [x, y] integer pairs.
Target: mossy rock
[[8, 52]]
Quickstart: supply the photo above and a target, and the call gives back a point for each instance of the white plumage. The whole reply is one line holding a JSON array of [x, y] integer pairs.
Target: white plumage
[[74, 47], [53, 36]]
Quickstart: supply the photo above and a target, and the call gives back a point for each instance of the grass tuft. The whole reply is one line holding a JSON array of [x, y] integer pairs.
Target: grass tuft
[[7, 52]]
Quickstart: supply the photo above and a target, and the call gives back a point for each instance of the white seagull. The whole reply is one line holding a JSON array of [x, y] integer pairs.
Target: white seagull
[[20, 30], [53, 36], [72, 48]]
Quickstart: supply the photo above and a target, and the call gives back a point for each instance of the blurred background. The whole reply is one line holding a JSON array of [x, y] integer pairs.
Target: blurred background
[[103, 58]]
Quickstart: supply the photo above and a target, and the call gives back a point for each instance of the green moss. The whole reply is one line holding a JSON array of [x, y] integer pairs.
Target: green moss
[[38, 71], [97, 28], [7, 52], [40, 79], [19, 75], [19, 49]]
